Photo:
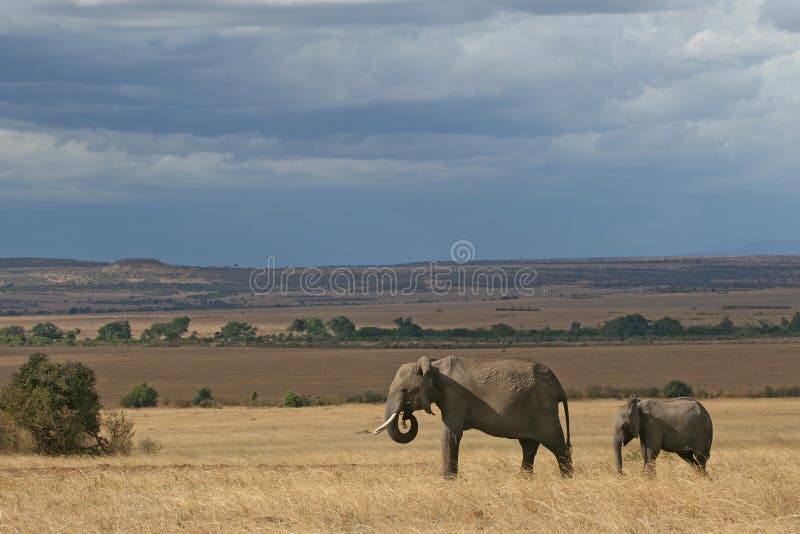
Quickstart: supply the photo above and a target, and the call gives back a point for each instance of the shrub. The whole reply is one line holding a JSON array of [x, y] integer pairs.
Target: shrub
[[254, 398], [117, 433], [501, 330], [631, 325], [12, 334], [142, 396], [342, 326], [667, 326], [368, 397], [292, 400], [204, 397], [149, 445], [236, 331], [115, 331], [677, 388], [47, 331], [57, 403], [171, 331]]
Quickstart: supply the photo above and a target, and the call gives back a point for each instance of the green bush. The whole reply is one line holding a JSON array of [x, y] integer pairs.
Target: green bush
[[341, 326], [631, 325], [171, 331], [115, 331], [236, 331], [141, 396], [368, 397], [13, 334], [47, 331], [667, 326], [204, 397], [293, 400], [678, 388], [57, 403]]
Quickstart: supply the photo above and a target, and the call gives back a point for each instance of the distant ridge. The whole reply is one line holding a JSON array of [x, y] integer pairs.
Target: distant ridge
[[11, 263]]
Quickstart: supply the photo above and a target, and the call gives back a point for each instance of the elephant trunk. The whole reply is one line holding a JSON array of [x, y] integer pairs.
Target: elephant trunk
[[398, 410], [618, 453], [399, 436]]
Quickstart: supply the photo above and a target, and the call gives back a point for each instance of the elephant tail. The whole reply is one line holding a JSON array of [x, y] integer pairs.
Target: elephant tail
[[566, 419]]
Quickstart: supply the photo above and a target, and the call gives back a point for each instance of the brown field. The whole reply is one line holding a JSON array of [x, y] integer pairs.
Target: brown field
[[319, 470], [566, 304], [232, 373]]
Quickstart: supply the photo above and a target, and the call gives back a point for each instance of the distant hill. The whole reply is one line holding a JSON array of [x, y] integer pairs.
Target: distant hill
[[761, 248], [45, 285]]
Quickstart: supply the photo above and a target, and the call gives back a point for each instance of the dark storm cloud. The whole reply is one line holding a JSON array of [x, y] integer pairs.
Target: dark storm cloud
[[565, 113], [407, 12], [784, 14]]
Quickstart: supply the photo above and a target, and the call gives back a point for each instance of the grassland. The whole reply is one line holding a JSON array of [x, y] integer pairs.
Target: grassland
[[232, 373], [319, 470]]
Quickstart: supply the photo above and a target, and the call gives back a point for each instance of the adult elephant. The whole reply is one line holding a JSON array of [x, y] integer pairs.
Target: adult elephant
[[512, 398], [680, 425]]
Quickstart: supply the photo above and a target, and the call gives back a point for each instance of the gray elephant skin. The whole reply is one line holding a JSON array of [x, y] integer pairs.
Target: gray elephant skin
[[511, 398], [681, 425]]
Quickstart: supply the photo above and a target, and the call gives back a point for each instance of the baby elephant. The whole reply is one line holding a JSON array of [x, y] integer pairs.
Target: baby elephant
[[680, 425]]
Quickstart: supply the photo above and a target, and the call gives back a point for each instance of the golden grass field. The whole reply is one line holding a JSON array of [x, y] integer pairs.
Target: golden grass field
[[320, 470], [555, 311], [233, 372]]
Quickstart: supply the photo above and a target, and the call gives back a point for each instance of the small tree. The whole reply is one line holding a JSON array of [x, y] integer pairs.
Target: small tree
[[667, 326], [575, 328], [204, 397], [47, 331], [725, 325], [171, 331], [407, 328], [293, 400], [298, 325], [794, 324], [501, 330], [115, 331], [56, 402], [342, 326], [678, 388], [12, 333], [141, 396], [236, 331], [631, 325]]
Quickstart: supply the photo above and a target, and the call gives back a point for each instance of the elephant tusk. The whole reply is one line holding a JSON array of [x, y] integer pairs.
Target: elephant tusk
[[384, 425]]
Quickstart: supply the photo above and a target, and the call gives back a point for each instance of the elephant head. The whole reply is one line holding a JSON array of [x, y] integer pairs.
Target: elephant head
[[410, 391], [626, 427]]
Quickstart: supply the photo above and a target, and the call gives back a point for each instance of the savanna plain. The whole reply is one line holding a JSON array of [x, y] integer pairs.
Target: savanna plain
[[319, 469]]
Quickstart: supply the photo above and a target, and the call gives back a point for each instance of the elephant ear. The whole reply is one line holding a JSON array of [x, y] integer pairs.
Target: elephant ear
[[423, 365], [428, 388]]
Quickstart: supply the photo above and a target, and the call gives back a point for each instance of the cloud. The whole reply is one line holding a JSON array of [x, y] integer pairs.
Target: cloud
[[122, 98], [784, 14]]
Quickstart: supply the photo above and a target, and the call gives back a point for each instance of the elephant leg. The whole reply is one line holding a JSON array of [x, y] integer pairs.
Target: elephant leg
[[451, 439], [690, 457], [650, 455], [529, 448], [553, 440]]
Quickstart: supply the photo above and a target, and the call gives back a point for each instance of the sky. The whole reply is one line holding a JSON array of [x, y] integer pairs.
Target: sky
[[326, 132]]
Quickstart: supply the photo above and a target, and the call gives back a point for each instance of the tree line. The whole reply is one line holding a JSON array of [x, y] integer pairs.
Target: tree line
[[341, 329]]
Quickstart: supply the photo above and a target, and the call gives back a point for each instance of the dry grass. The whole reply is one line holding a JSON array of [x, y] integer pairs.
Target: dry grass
[[318, 469], [233, 373]]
